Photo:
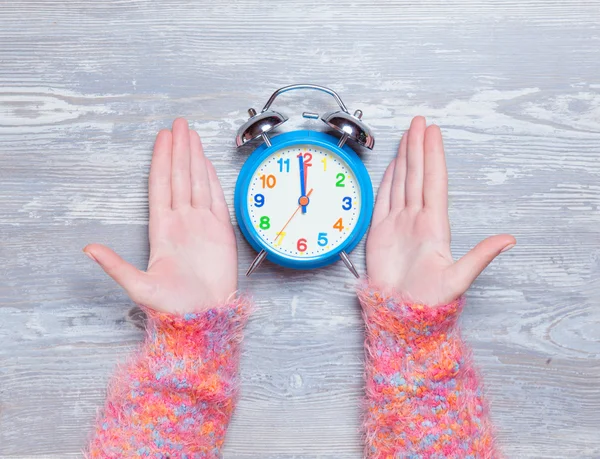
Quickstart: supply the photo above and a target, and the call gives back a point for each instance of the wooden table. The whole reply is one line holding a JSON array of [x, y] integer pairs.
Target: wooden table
[[85, 86]]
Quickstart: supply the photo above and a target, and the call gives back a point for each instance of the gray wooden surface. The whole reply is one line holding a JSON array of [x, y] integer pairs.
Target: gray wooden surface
[[84, 87]]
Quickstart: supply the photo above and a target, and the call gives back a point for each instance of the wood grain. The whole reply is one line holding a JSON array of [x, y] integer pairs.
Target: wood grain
[[85, 86]]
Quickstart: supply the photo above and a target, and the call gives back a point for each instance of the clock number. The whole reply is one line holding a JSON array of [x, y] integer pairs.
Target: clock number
[[324, 161], [323, 241], [279, 238], [259, 200], [338, 225], [301, 245], [347, 203], [307, 158], [265, 223], [340, 179], [268, 181], [281, 162]]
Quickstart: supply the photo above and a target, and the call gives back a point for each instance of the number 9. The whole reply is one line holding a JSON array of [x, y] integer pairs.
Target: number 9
[[259, 200]]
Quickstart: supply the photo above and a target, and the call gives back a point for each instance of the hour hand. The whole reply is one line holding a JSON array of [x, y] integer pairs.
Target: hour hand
[[303, 200]]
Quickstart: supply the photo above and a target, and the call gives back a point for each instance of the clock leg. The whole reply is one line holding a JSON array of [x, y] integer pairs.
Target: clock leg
[[257, 262], [349, 264]]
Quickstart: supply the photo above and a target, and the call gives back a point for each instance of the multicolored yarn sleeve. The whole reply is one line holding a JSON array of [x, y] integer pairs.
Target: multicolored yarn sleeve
[[423, 396], [175, 396]]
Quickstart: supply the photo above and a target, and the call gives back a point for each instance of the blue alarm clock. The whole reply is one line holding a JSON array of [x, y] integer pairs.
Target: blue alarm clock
[[304, 199]]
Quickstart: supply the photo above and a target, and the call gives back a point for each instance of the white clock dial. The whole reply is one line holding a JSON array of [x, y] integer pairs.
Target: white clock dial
[[274, 201]]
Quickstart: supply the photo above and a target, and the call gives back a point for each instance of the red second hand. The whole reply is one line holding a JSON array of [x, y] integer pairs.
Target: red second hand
[[293, 215]]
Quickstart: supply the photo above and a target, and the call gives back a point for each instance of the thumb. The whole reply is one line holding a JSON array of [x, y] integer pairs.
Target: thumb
[[464, 272], [126, 275]]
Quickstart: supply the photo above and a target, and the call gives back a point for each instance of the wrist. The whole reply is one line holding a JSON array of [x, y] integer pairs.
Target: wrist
[[396, 313], [197, 332]]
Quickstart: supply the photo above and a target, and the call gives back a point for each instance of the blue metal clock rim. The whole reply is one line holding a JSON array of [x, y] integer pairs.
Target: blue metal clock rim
[[287, 140]]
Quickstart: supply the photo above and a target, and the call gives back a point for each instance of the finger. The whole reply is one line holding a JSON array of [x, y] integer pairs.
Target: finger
[[415, 163], [180, 165], [219, 205], [132, 280], [382, 205], [397, 191], [201, 195], [435, 181], [159, 182], [464, 272]]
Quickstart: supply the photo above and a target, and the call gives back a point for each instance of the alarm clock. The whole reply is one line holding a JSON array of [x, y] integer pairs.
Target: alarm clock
[[304, 199]]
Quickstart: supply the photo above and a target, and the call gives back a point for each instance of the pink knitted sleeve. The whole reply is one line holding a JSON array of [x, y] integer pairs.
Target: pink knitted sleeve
[[423, 396], [175, 396]]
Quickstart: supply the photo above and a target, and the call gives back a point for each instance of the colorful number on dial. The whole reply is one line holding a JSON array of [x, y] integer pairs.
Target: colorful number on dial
[[259, 200], [307, 158], [347, 203], [279, 238], [339, 225], [281, 162], [265, 222], [322, 240], [268, 181], [301, 245]]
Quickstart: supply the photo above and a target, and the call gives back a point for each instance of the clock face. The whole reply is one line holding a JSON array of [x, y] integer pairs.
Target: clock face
[[303, 201]]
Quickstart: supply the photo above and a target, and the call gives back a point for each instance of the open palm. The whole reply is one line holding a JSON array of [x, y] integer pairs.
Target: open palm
[[193, 254], [408, 247]]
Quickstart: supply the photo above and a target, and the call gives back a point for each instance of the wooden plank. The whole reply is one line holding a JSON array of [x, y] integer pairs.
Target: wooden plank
[[84, 87]]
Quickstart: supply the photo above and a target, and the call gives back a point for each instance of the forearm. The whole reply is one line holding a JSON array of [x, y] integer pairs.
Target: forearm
[[175, 396], [423, 394]]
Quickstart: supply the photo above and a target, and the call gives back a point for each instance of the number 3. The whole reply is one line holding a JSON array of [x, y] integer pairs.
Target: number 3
[[347, 203]]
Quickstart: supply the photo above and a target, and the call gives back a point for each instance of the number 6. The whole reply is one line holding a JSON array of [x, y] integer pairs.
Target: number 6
[[301, 245]]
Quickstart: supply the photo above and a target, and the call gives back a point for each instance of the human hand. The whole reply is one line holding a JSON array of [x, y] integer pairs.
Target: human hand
[[193, 253], [408, 246]]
